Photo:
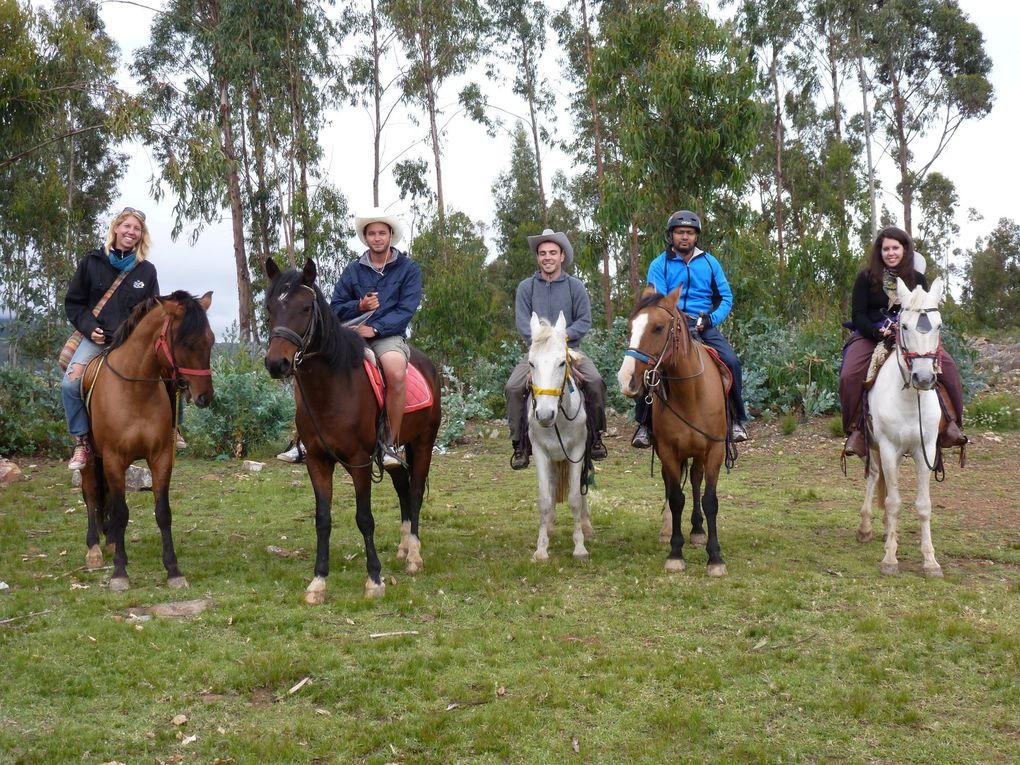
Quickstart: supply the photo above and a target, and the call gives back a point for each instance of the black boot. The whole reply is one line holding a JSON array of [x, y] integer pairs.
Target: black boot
[[642, 438], [598, 449], [521, 458]]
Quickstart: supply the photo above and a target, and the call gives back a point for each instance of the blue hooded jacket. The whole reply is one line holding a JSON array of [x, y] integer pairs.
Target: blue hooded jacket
[[703, 285], [398, 285]]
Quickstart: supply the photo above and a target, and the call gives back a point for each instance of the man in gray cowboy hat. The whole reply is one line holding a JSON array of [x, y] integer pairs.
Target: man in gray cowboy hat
[[381, 291], [548, 292]]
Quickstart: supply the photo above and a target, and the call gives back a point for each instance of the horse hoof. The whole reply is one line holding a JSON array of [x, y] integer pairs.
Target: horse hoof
[[540, 557], [665, 539], [315, 593], [864, 536], [700, 539], [94, 558], [675, 565], [933, 572], [119, 584], [581, 557], [177, 583], [716, 569], [373, 590], [890, 569], [413, 567], [401, 553], [589, 533]]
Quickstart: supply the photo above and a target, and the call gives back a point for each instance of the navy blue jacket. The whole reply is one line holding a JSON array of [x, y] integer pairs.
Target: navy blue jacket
[[91, 281], [399, 288]]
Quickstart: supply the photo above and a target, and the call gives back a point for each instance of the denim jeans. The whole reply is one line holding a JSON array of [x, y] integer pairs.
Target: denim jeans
[[74, 406]]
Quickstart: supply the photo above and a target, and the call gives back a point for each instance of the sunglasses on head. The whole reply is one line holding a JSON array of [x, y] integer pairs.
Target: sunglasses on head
[[132, 211]]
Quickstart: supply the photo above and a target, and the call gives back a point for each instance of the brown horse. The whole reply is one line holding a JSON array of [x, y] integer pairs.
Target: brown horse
[[166, 341], [338, 419], [688, 414]]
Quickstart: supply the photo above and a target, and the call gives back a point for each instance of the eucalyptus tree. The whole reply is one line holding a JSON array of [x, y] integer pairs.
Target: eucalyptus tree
[[441, 39], [932, 73], [938, 200], [991, 288]]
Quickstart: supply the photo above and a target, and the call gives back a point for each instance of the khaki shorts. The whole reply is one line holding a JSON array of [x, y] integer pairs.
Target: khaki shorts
[[393, 343]]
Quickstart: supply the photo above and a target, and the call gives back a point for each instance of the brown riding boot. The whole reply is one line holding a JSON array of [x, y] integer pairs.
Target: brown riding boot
[[855, 444], [950, 434]]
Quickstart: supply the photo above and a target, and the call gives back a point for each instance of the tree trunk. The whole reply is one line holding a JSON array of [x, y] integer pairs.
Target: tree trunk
[[377, 98], [778, 138], [902, 157], [862, 76], [599, 168], [633, 254], [534, 134]]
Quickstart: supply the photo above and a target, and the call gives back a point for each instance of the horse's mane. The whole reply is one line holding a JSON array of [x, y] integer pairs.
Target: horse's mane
[[339, 346], [646, 301], [191, 327]]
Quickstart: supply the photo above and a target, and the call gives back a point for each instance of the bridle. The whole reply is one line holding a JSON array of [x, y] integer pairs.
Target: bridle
[[653, 376], [303, 341], [164, 343], [923, 327], [565, 385]]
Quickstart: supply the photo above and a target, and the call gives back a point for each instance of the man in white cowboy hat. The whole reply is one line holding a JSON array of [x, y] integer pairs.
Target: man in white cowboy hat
[[548, 292], [382, 290]]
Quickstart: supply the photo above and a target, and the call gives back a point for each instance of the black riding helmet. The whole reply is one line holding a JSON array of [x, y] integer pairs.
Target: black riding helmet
[[682, 218]]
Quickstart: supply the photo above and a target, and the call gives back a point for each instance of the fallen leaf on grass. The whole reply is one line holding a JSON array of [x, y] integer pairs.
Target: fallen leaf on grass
[[575, 745], [282, 552], [188, 740], [297, 687], [179, 720]]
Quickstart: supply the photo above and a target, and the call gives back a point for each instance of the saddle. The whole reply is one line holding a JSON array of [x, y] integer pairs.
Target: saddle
[[878, 358], [724, 371], [419, 394]]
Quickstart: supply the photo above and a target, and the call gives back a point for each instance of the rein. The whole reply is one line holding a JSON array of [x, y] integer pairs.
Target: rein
[[163, 343], [905, 368]]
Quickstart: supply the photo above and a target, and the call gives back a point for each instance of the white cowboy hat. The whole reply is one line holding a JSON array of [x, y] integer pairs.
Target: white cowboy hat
[[378, 215], [558, 237]]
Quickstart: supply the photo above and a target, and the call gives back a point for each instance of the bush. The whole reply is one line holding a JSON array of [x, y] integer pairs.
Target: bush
[[250, 409], [31, 413], [460, 404], [605, 348], [1000, 411]]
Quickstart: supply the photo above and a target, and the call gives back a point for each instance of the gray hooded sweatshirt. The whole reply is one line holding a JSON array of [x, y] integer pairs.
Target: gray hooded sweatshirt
[[547, 299]]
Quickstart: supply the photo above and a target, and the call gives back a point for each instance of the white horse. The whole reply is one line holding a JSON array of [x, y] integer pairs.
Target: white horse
[[904, 414], [558, 428]]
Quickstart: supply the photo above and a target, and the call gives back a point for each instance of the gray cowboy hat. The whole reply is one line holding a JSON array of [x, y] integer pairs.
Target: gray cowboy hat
[[378, 215], [557, 237]]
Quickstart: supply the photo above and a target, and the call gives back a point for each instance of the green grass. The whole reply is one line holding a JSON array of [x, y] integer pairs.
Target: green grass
[[998, 412], [803, 653]]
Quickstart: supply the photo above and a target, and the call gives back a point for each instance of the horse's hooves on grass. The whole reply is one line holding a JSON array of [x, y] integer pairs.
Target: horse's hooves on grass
[[401, 553], [373, 590], [539, 557], [716, 569], [177, 583], [665, 539], [864, 536], [700, 539], [120, 584], [890, 569], [315, 593], [94, 558], [581, 558], [934, 572], [413, 567], [675, 565]]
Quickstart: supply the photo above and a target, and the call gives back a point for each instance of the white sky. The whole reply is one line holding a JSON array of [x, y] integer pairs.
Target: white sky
[[982, 159]]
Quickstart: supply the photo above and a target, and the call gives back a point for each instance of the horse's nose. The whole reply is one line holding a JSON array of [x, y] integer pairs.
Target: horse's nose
[[278, 368], [922, 380], [546, 416], [203, 399]]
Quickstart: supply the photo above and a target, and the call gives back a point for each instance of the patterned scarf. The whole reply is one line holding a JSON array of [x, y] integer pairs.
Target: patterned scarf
[[121, 262], [889, 285]]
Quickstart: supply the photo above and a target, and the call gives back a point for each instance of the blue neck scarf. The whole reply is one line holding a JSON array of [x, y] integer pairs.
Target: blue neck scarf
[[122, 262]]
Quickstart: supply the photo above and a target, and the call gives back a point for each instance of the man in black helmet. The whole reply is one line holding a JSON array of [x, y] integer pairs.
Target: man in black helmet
[[705, 298]]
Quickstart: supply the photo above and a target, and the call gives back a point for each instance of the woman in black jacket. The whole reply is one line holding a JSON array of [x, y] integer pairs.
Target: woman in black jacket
[[125, 251], [874, 310]]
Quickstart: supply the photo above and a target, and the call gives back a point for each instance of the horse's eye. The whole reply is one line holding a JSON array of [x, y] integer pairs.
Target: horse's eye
[[657, 329], [563, 363], [530, 364]]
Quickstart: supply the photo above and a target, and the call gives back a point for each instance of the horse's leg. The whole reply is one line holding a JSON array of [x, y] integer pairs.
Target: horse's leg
[[546, 471], [419, 457], [91, 494], [402, 485], [117, 520], [891, 470], [666, 530], [586, 527], [864, 531], [374, 585], [710, 501], [931, 566], [320, 471], [675, 499], [577, 503], [698, 535], [161, 468]]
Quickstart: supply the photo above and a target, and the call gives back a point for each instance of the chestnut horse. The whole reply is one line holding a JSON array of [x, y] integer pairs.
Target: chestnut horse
[[338, 419], [688, 414], [166, 341]]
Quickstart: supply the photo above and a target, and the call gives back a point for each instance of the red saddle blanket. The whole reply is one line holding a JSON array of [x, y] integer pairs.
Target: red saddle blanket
[[724, 371], [419, 394]]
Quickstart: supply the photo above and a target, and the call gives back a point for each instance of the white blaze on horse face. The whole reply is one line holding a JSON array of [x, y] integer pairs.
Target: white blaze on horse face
[[625, 377]]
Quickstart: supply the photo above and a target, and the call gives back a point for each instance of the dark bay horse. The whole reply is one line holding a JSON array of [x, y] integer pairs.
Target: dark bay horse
[[338, 417], [688, 414], [165, 341]]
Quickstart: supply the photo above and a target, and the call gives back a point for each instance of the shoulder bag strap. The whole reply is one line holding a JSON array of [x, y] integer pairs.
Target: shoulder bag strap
[[109, 293]]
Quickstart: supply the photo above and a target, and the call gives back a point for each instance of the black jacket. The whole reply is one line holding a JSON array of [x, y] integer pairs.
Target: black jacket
[[91, 281], [869, 306]]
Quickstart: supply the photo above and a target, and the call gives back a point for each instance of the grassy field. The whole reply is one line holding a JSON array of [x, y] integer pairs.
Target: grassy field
[[803, 653]]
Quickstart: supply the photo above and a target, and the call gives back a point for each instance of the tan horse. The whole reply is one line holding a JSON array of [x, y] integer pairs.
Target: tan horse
[[165, 340], [688, 414]]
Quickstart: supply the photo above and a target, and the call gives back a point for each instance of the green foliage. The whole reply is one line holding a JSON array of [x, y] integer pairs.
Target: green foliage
[[31, 413], [250, 408], [605, 348], [460, 404], [991, 290], [999, 412], [788, 422]]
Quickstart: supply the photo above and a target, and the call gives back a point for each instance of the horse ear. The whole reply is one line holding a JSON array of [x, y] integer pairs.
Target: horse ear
[[674, 298], [936, 290], [536, 324], [902, 293], [170, 307], [309, 272], [271, 268], [206, 300], [648, 291], [561, 323]]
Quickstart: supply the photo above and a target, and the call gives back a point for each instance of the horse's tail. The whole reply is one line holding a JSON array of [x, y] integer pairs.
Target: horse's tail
[[562, 481]]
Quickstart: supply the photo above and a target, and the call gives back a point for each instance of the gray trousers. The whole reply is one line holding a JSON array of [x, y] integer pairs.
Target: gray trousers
[[516, 391]]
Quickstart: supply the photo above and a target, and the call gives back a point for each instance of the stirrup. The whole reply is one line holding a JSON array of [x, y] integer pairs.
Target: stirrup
[[393, 456]]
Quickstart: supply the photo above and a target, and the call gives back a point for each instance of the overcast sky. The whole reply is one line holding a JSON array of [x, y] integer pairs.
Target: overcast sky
[[982, 159]]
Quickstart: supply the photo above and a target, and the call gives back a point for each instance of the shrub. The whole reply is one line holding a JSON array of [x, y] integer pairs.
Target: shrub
[[460, 405], [250, 409], [31, 413], [788, 423], [605, 348], [1000, 411]]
